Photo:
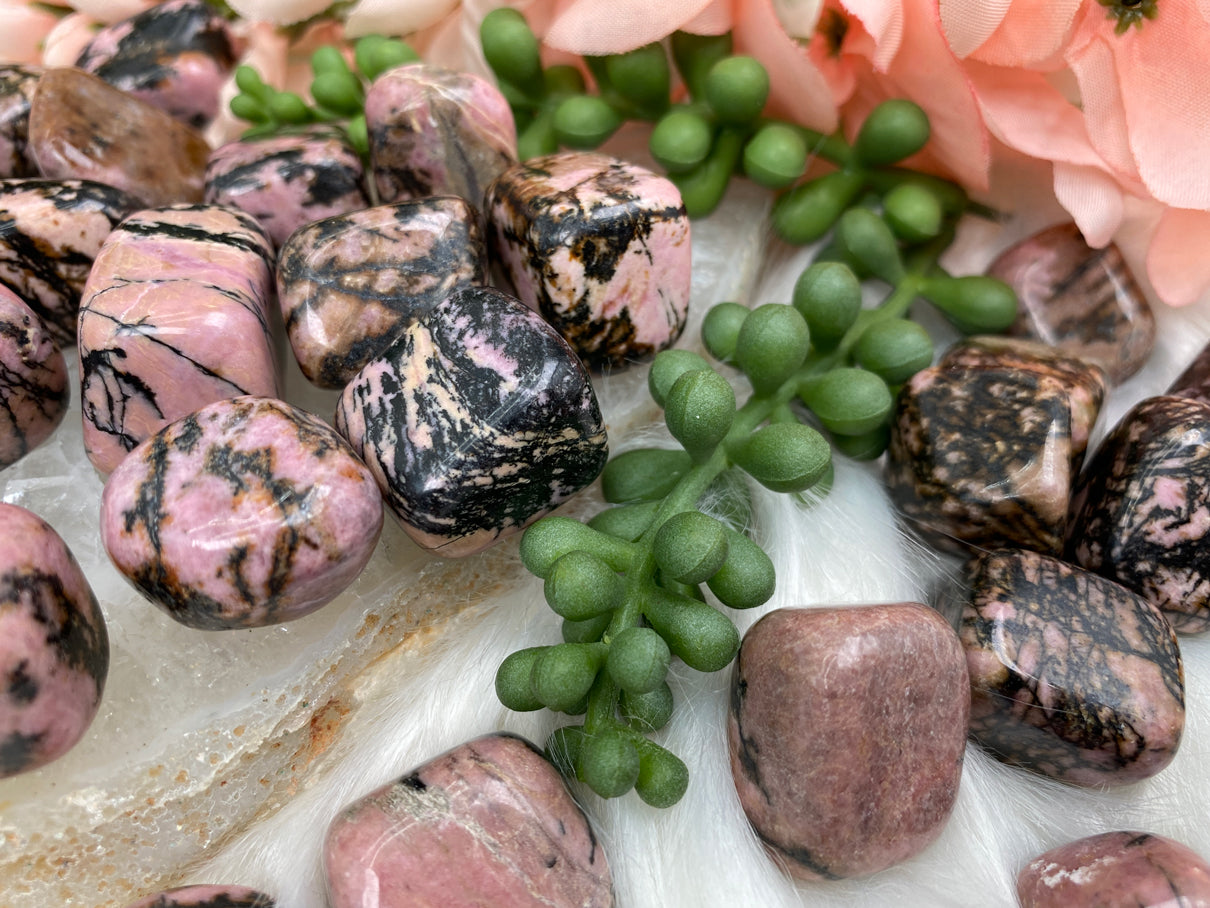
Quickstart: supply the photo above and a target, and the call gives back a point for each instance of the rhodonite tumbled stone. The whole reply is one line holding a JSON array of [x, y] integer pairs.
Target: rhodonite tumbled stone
[[50, 232], [175, 55], [246, 513], [207, 897], [81, 127], [33, 380], [1072, 675], [174, 315], [1083, 300], [1141, 511], [350, 285], [288, 180], [54, 650], [600, 247], [478, 420], [847, 732], [488, 823], [437, 132], [17, 84], [1116, 870], [1194, 382]]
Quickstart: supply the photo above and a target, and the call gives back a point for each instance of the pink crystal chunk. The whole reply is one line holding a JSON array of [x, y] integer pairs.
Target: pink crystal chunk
[[488, 823], [847, 733], [1116, 870], [206, 897], [174, 316], [33, 380], [600, 248], [54, 650], [246, 513]]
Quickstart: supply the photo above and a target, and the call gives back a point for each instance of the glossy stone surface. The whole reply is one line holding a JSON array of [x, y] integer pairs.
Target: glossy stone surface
[[488, 823], [287, 181], [1072, 675], [172, 293], [33, 380], [1083, 300], [437, 132], [1116, 870], [1141, 511], [50, 232], [350, 285], [175, 56], [17, 84], [1194, 382], [80, 127], [600, 248], [246, 513], [207, 897], [477, 421], [54, 650], [847, 732]]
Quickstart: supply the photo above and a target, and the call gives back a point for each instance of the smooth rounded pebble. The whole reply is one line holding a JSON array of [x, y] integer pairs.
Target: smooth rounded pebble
[[33, 380]]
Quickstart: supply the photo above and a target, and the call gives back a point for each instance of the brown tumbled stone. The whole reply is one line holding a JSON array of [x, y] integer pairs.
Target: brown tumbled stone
[[847, 733], [80, 127]]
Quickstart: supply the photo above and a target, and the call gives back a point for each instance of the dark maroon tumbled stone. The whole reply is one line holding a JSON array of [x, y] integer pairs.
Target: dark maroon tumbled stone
[[1072, 675], [847, 732], [1116, 870]]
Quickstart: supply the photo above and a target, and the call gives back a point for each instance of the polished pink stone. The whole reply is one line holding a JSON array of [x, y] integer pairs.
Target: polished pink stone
[[1116, 870], [17, 84], [206, 897], [33, 380], [489, 823], [54, 650], [174, 315], [1082, 300], [599, 247], [246, 513], [847, 732]]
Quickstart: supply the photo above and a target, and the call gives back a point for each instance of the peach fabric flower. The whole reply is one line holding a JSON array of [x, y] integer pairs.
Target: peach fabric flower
[[22, 30]]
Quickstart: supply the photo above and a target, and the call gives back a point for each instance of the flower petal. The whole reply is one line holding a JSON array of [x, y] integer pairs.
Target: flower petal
[[798, 17], [969, 23], [1177, 264], [1091, 57], [883, 20], [67, 40], [110, 11], [390, 17], [279, 12], [21, 32], [590, 27], [1031, 34], [1092, 198]]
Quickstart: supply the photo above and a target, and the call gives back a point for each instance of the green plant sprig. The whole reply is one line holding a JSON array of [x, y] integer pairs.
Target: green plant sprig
[[338, 91]]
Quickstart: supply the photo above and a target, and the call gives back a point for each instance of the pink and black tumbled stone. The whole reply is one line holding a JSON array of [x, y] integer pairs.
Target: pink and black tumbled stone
[[50, 232], [1194, 382], [488, 823], [289, 180], [847, 733], [437, 132], [54, 649], [478, 420], [33, 380], [207, 897], [172, 294], [1116, 870], [350, 285], [17, 84], [1140, 509], [175, 56], [600, 247], [1072, 675], [1082, 300]]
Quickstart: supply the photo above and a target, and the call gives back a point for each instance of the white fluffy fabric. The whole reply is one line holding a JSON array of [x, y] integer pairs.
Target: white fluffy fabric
[[844, 549]]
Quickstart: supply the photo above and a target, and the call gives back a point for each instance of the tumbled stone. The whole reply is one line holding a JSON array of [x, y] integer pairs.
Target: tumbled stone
[[247, 513], [478, 420], [175, 56], [172, 294], [488, 823], [287, 181], [1116, 870], [600, 247], [207, 897], [847, 732], [437, 132], [350, 285], [17, 84], [54, 650], [983, 456], [1083, 300], [33, 380], [81, 127], [50, 232], [1072, 675], [1141, 510]]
